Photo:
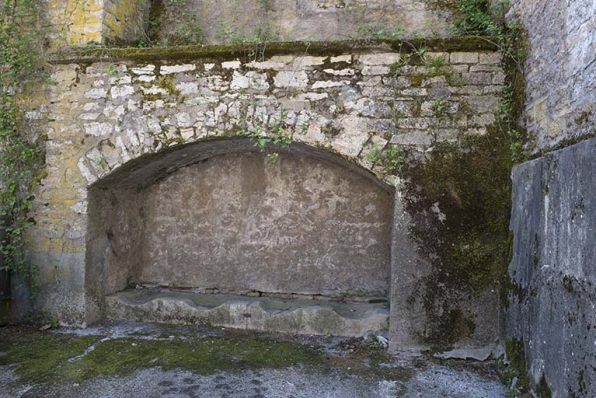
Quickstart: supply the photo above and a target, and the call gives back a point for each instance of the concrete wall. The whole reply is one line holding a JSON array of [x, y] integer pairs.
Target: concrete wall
[[551, 302], [242, 221], [560, 70], [214, 21], [168, 22]]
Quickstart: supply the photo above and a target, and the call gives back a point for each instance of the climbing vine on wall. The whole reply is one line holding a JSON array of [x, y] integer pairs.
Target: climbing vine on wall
[[21, 153]]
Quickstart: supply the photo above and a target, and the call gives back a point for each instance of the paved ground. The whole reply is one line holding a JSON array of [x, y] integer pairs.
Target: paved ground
[[146, 361]]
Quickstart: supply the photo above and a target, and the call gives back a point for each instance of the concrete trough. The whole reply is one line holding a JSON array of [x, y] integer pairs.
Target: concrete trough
[[298, 316]]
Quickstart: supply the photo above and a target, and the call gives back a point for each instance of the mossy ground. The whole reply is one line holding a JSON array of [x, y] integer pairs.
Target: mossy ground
[[44, 357]]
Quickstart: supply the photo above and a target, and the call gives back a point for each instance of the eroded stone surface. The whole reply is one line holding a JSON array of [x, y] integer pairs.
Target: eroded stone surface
[[560, 70], [252, 313], [219, 21], [243, 221], [551, 301]]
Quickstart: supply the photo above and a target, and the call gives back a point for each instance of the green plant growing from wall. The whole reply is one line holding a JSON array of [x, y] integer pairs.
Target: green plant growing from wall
[[269, 137], [488, 18], [22, 155], [111, 70], [378, 31], [518, 152], [439, 107], [391, 159]]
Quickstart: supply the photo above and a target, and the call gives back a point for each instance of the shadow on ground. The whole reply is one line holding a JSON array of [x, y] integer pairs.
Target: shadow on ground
[[141, 360]]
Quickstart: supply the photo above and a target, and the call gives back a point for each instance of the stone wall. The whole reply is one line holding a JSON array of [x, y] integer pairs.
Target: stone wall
[[560, 70], [551, 302], [83, 22], [128, 120], [214, 21], [75, 22], [550, 309]]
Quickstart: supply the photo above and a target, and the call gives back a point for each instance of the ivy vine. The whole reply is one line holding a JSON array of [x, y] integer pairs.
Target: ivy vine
[[21, 153]]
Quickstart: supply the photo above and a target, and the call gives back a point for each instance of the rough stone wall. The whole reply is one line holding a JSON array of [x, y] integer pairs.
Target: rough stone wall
[[560, 70], [75, 22], [82, 22], [348, 103], [551, 303], [241, 222], [217, 21], [127, 123], [550, 307], [124, 21]]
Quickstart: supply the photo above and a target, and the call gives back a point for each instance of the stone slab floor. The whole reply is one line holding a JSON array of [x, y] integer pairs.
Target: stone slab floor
[[145, 360]]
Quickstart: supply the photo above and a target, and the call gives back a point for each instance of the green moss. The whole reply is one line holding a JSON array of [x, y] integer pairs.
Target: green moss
[[543, 389], [62, 358], [153, 97], [451, 327], [417, 79], [202, 356], [42, 357], [55, 358], [229, 51], [469, 183], [167, 83], [515, 369]]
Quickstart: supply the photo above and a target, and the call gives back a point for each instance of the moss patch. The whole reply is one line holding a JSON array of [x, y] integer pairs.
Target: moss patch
[[468, 183], [516, 367], [543, 389], [42, 357], [167, 83], [59, 358], [231, 51]]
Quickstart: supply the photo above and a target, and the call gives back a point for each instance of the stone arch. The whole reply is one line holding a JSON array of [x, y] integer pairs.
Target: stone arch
[[149, 167], [117, 223]]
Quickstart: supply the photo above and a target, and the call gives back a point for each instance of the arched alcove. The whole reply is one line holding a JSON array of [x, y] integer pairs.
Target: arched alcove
[[207, 224]]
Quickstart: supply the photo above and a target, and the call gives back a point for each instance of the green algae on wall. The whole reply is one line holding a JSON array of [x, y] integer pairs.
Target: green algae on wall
[[468, 244]]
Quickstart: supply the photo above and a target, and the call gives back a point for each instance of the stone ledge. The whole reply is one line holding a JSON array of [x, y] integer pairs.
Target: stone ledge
[[449, 44], [252, 313]]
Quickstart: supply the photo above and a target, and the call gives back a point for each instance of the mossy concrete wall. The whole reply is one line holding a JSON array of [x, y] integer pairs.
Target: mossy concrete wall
[[169, 22], [212, 21], [551, 299], [129, 119]]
